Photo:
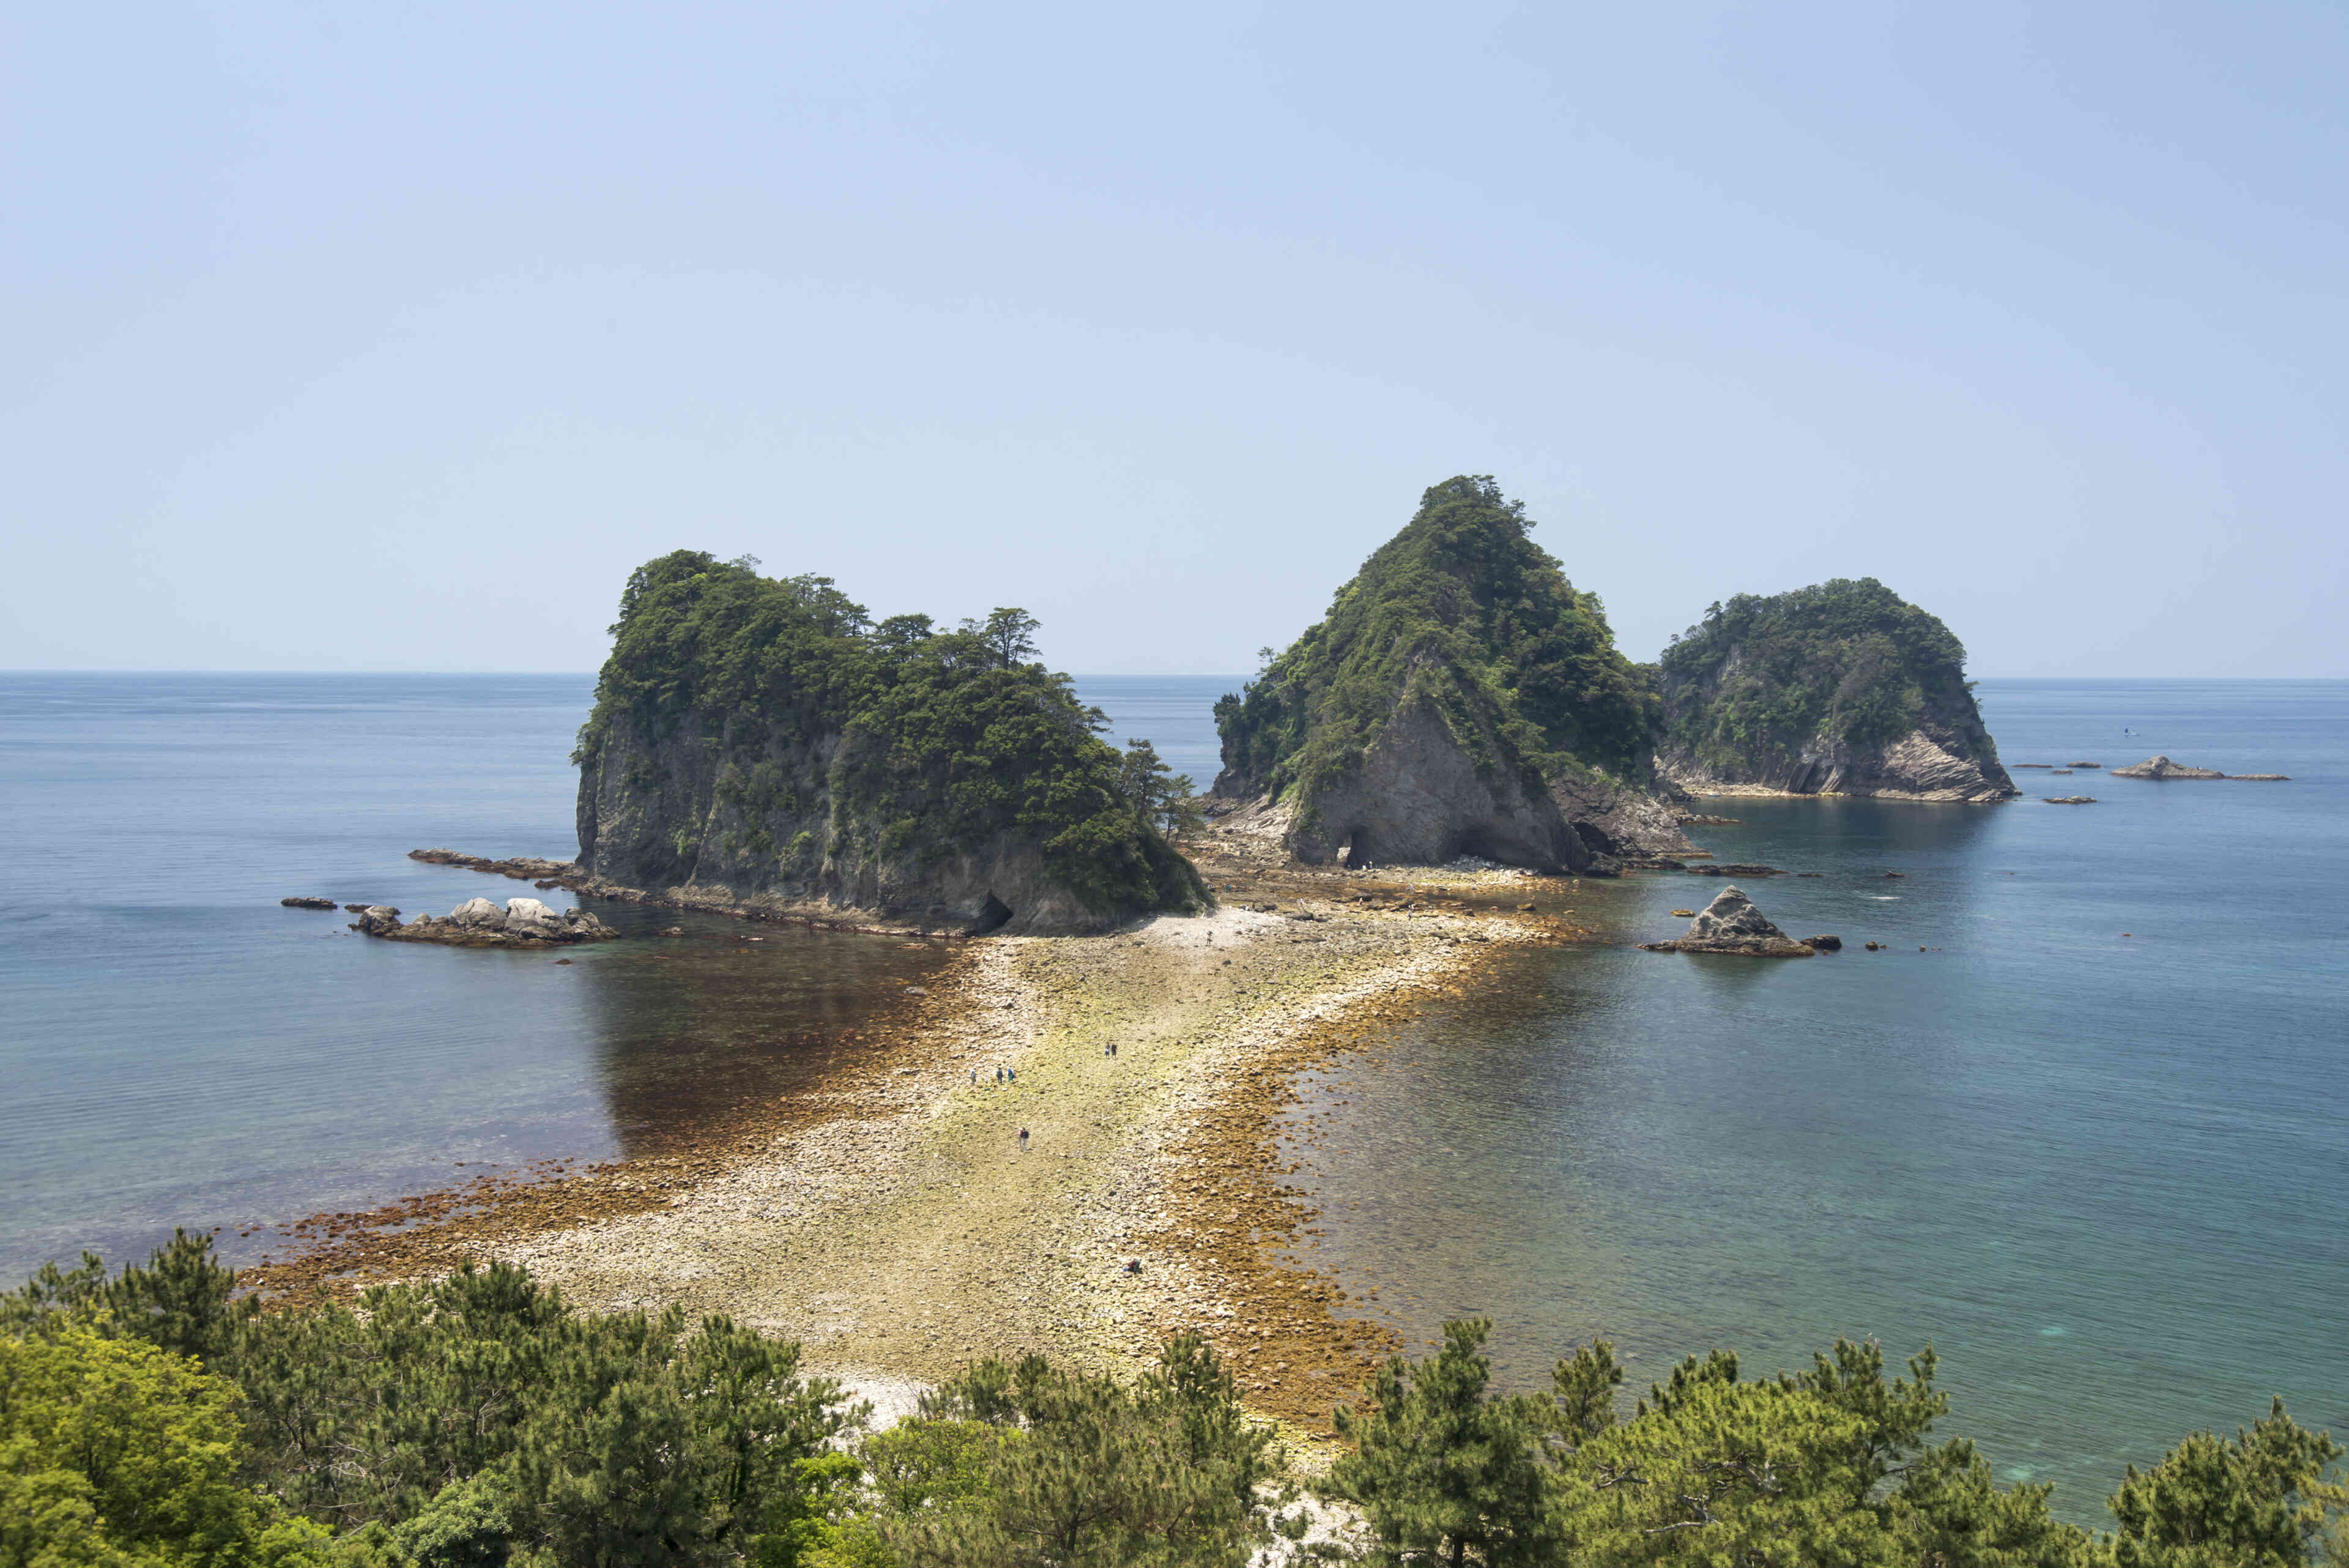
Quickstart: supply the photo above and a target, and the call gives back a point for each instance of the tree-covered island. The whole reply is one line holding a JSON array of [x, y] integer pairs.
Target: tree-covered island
[[1843, 687], [764, 738], [1462, 696]]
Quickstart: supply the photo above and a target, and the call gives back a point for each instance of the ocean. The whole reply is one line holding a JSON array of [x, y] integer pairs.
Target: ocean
[[2092, 1143]]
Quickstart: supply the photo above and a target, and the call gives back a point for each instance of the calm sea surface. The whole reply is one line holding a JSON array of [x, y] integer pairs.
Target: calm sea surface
[[2106, 1175]]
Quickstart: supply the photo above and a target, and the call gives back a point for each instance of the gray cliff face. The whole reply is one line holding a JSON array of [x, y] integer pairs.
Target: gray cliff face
[[1418, 799], [1935, 762], [690, 812], [1619, 818]]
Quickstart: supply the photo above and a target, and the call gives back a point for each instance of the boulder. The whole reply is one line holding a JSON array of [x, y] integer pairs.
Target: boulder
[[1827, 943], [2159, 768], [480, 914], [307, 903], [376, 920], [1731, 924], [530, 915]]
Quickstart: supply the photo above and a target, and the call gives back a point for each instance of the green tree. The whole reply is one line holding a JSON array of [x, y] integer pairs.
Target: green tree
[[1447, 1471], [1092, 1473], [1162, 798], [1008, 633], [2256, 1501], [182, 1300], [115, 1451]]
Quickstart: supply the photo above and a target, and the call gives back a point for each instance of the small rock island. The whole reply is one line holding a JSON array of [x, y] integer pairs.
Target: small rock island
[[1840, 688], [1462, 697], [2161, 767], [479, 923], [1731, 924]]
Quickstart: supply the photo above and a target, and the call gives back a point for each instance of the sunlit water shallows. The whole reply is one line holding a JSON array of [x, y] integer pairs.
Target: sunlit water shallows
[[2103, 1173]]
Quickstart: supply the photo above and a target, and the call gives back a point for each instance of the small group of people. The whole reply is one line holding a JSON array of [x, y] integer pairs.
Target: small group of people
[[1002, 1076]]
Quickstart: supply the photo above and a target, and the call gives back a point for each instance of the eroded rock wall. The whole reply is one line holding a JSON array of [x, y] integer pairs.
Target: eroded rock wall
[[702, 813]]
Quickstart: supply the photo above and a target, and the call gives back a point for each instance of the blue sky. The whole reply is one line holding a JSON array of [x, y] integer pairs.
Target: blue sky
[[392, 338]]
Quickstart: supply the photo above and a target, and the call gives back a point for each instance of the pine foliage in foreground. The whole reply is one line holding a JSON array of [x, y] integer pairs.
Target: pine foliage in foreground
[[150, 1420]]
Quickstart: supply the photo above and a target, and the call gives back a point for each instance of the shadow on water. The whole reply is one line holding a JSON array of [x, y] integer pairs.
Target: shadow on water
[[693, 1035]]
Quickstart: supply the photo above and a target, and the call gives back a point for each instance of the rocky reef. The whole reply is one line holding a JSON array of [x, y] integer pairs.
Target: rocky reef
[[1731, 924], [479, 923], [1462, 697], [1839, 689], [761, 742], [2160, 767]]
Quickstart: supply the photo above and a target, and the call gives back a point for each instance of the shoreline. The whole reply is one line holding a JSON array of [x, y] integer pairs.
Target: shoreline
[[890, 1219]]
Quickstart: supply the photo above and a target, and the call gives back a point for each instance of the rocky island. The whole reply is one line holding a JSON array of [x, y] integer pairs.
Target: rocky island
[[1840, 688], [479, 923], [1462, 697], [1731, 924], [2161, 767], [763, 742]]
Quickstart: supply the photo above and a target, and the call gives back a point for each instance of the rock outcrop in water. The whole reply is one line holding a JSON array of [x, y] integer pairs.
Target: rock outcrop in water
[[761, 742], [2159, 768], [479, 923], [1841, 689], [1461, 698], [1731, 924]]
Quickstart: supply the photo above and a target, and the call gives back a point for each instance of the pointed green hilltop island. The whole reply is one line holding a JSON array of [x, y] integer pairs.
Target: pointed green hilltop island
[[760, 741], [1461, 698], [1840, 688]]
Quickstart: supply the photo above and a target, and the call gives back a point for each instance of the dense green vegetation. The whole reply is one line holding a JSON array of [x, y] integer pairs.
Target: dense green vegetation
[[1461, 610], [947, 738], [151, 1419], [1848, 659]]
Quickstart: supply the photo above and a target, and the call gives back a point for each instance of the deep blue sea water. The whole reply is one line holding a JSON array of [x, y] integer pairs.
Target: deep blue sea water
[[2103, 1173]]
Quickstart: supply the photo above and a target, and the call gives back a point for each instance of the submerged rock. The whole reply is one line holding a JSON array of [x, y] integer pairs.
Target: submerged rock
[[1731, 924], [2070, 799], [2158, 767], [478, 923], [307, 903]]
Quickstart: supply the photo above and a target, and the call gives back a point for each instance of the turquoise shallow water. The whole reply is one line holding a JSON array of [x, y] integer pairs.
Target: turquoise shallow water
[[2103, 1174]]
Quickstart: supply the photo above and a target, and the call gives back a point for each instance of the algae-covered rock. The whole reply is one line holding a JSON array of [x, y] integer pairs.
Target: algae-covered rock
[[1460, 697], [1840, 688]]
